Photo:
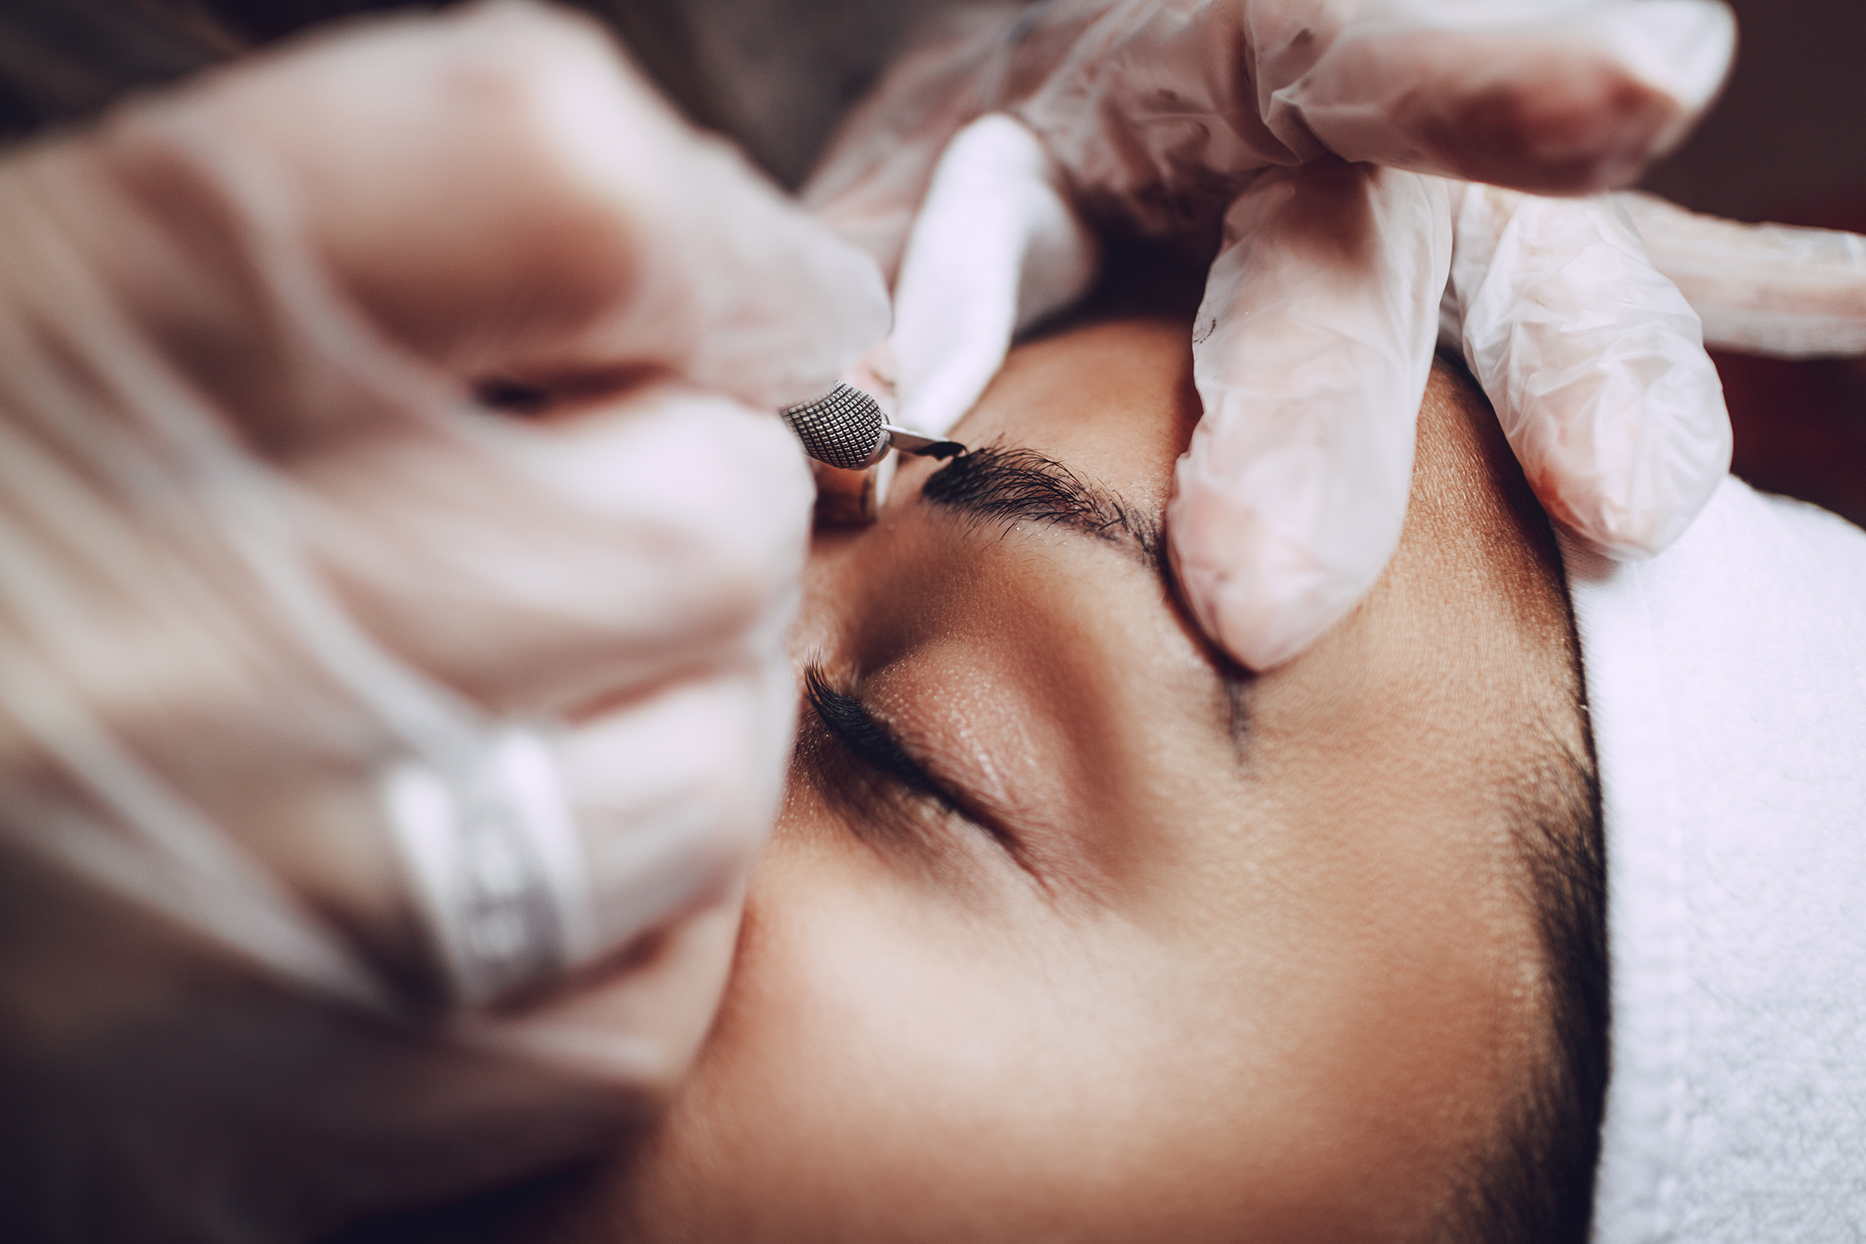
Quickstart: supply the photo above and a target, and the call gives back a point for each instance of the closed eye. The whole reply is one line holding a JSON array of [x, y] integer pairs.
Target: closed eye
[[869, 740], [865, 736]]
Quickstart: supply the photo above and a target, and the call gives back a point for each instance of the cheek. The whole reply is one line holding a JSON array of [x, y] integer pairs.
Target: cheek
[[879, 1069], [891, 1065]]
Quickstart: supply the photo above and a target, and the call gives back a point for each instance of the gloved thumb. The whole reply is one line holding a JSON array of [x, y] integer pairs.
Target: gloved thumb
[[997, 246]]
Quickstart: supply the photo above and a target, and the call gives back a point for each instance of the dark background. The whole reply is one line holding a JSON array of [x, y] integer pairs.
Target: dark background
[[1789, 135]]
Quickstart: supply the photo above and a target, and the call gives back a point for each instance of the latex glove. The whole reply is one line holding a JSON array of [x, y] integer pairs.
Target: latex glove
[[1186, 120], [274, 588], [1761, 289]]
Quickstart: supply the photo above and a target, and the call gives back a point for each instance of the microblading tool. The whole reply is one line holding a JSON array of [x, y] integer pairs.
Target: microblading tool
[[844, 428]]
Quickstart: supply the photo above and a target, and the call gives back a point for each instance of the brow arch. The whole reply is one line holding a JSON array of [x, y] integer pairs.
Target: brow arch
[[1007, 484]]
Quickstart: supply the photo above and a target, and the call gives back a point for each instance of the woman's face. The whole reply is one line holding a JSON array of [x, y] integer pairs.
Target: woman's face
[[1072, 931]]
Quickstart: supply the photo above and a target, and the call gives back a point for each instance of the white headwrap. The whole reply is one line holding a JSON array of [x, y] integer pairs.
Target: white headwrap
[[1727, 686]]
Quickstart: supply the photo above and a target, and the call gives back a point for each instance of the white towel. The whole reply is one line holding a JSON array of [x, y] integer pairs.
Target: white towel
[[1727, 686]]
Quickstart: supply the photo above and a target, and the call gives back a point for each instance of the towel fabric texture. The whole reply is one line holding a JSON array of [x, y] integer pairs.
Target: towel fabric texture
[[1726, 682]]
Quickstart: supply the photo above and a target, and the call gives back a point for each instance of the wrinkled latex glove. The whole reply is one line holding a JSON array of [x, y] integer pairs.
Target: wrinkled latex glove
[[274, 583], [1760, 289], [1290, 500], [1225, 125]]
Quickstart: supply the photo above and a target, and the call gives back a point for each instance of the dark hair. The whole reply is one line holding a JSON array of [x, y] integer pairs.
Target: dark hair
[[1536, 1185]]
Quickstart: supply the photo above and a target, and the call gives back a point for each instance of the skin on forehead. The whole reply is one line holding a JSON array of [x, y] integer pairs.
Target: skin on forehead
[[1191, 982]]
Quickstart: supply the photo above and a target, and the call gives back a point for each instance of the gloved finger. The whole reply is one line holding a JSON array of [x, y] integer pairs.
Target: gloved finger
[[235, 715], [1554, 98], [503, 194], [997, 247], [616, 829], [1762, 289], [1310, 353], [541, 567], [1160, 116], [675, 793], [1595, 364], [875, 169]]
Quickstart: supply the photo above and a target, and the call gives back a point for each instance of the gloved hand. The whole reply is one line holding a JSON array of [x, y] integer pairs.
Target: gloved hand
[[378, 772], [1226, 124]]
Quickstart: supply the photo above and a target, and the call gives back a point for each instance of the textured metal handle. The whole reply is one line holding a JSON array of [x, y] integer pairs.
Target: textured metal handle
[[841, 428]]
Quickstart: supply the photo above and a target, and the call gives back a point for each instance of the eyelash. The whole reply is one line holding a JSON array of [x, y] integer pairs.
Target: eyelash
[[842, 714], [909, 787]]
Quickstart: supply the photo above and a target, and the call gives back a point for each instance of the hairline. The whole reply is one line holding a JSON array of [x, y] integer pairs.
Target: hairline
[[1535, 1183]]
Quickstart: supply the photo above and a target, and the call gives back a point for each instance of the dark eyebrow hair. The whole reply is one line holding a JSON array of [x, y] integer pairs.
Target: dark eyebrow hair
[[1007, 484], [998, 483]]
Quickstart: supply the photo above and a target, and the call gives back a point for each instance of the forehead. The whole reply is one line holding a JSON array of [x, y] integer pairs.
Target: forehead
[[1296, 1002]]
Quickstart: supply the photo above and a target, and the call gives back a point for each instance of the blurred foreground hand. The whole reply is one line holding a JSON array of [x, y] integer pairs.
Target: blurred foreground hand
[[1324, 153], [379, 773]]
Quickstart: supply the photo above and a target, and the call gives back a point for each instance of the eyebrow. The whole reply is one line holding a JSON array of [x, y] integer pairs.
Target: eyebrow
[[998, 483], [1002, 484]]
